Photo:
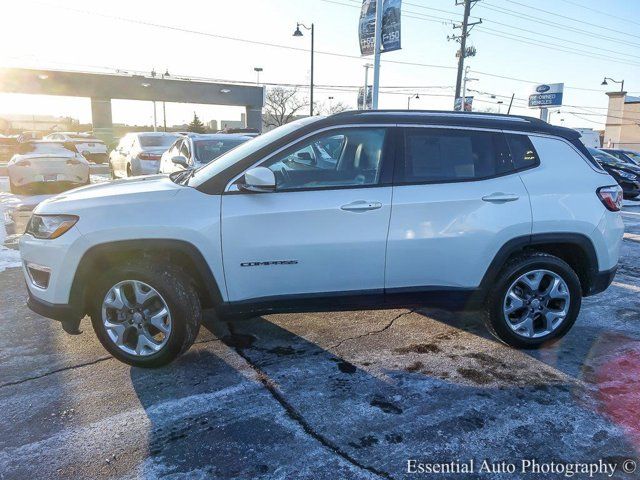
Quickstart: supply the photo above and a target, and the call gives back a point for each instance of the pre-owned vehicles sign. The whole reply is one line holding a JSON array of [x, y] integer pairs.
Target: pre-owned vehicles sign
[[390, 26], [547, 95]]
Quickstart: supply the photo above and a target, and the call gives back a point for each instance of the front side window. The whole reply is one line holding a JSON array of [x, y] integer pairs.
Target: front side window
[[440, 155], [340, 158]]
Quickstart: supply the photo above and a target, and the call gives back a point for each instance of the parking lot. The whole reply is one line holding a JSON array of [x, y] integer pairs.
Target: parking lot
[[321, 395]]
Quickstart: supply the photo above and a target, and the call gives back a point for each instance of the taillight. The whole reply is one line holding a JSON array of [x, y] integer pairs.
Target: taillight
[[149, 156], [611, 197]]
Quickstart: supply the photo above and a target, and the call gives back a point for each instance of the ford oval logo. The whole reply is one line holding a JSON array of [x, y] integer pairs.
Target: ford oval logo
[[542, 88]]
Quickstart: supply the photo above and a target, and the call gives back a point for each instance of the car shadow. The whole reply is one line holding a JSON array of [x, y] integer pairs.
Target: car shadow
[[288, 402]]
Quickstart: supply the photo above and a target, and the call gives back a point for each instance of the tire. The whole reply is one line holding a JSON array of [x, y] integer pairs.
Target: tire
[[497, 304], [112, 173], [129, 171], [173, 287]]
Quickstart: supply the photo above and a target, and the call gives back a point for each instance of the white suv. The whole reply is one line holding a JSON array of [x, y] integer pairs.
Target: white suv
[[358, 210]]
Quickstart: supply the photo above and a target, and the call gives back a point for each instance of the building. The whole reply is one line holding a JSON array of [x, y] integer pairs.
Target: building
[[622, 129], [15, 123]]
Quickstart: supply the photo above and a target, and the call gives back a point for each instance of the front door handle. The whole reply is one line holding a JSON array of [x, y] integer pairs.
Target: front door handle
[[500, 197], [361, 206]]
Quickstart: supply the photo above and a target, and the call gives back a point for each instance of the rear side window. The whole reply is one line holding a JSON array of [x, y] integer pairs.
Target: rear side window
[[523, 154], [441, 155]]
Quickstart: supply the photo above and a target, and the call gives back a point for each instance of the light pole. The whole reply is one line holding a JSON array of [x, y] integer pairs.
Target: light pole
[[464, 86], [621, 82], [365, 96], [164, 104], [416, 96], [258, 70], [377, 49], [298, 33], [500, 102]]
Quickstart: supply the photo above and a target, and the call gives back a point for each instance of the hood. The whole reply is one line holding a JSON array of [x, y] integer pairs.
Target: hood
[[130, 191]]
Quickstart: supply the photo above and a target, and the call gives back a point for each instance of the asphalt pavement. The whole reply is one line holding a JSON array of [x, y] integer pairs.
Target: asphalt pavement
[[347, 395]]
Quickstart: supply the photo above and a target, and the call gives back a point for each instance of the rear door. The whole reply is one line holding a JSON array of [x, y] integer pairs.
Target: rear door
[[456, 200]]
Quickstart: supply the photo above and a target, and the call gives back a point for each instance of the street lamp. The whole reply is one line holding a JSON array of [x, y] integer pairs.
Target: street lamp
[[298, 33], [500, 102], [258, 70], [164, 104], [621, 82], [416, 96]]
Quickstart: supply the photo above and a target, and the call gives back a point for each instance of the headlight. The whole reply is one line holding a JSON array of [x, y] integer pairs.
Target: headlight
[[50, 226], [628, 176]]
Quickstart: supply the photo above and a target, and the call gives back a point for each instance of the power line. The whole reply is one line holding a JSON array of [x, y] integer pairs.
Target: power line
[[600, 12], [595, 25], [546, 21]]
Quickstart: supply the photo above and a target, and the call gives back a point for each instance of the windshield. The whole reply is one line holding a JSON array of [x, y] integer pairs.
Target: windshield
[[635, 156], [605, 158], [157, 140], [207, 150], [230, 158]]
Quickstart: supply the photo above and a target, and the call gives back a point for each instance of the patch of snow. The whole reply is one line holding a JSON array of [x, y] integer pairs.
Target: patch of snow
[[8, 258]]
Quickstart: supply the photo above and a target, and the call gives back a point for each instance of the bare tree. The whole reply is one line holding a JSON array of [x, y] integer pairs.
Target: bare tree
[[282, 105], [332, 108]]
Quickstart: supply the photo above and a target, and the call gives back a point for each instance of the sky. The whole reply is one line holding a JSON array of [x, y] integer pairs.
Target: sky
[[519, 43]]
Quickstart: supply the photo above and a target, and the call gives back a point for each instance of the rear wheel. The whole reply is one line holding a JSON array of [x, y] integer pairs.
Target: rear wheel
[[536, 299], [146, 315], [129, 172]]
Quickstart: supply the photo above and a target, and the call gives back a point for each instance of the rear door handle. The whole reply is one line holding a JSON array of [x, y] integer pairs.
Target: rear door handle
[[361, 206], [500, 197]]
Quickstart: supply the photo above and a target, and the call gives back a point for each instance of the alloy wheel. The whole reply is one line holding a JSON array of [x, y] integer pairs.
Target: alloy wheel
[[136, 318], [536, 303]]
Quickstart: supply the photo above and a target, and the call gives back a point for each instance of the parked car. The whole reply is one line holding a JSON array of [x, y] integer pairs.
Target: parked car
[[197, 150], [139, 153], [627, 174], [8, 148], [45, 162], [91, 148], [455, 210], [627, 156], [589, 136]]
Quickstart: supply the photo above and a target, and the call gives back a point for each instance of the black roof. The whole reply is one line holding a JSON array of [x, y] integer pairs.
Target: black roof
[[449, 118]]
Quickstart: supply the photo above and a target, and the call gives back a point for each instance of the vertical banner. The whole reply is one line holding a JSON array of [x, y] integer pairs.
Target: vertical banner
[[468, 104], [361, 104], [391, 26]]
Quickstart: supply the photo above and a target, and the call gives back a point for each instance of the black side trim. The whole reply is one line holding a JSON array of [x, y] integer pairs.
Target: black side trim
[[60, 312], [602, 281], [519, 244], [419, 297], [86, 268]]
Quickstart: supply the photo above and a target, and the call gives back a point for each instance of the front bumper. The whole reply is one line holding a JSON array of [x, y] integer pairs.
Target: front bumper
[[61, 312]]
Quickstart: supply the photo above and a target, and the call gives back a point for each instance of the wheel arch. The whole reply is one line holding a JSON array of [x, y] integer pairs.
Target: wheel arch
[[178, 252], [575, 249]]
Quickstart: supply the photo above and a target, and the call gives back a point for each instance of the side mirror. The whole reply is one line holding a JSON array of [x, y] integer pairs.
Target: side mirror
[[180, 160], [258, 179]]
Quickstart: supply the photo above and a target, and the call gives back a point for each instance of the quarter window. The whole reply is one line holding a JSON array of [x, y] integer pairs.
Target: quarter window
[[341, 158], [522, 152], [439, 155]]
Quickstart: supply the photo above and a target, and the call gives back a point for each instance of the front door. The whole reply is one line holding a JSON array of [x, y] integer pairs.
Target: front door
[[323, 232]]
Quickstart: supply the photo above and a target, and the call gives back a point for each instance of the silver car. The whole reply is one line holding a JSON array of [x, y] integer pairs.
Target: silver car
[[139, 153], [42, 162], [193, 151]]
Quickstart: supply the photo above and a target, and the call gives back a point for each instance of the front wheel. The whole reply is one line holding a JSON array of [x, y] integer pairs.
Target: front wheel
[[146, 315], [536, 299]]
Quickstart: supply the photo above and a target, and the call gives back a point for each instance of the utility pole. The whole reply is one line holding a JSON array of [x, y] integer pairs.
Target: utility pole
[[376, 54], [462, 39]]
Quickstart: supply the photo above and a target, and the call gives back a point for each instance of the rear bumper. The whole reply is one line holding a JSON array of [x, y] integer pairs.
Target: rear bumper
[[601, 281]]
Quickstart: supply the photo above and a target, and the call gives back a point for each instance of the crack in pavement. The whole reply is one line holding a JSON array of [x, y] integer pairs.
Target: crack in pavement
[[278, 396], [373, 332], [52, 372], [80, 365]]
